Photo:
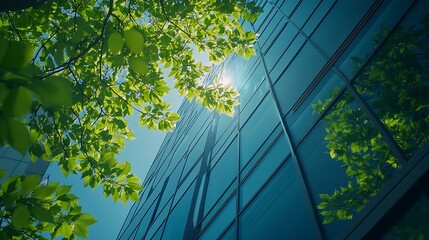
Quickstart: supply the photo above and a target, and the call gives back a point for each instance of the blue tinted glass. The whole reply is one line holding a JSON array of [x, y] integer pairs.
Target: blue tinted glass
[[271, 29], [338, 24], [230, 234], [187, 180], [252, 84], [221, 221], [257, 129], [280, 211], [280, 45], [298, 76], [158, 234], [226, 167], [303, 11], [154, 226], [178, 218], [196, 151], [323, 173], [265, 146], [365, 42], [288, 6], [287, 57], [170, 188], [224, 125], [142, 217], [268, 9], [301, 120], [317, 16], [250, 106], [264, 169], [238, 69], [395, 82], [226, 195], [346, 160]]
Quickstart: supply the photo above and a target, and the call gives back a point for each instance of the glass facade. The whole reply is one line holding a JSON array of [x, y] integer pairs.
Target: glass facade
[[331, 134], [16, 164]]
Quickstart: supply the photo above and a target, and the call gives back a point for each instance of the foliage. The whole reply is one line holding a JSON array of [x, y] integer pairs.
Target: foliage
[[71, 72], [395, 84], [30, 211]]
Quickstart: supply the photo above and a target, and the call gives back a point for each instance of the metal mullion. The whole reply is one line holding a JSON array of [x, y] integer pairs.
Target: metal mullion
[[237, 204], [377, 123], [286, 130]]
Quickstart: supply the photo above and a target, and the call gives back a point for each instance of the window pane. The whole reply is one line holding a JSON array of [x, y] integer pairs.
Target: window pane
[[396, 82], [339, 23], [303, 11], [264, 169], [301, 120], [178, 218], [221, 221], [362, 47], [281, 45], [230, 234], [346, 161], [298, 76], [227, 168], [413, 224], [270, 30], [280, 211], [317, 16], [257, 129]]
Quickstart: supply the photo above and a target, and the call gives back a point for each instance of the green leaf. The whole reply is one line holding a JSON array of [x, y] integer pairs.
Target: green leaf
[[3, 47], [62, 190], [85, 219], [44, 191], [18, 55], [115, 42], [138, 65], [20, 216], [54, 91], [18, 135], [2, 173], [81, 230], [328, 219], [3, 92], [134, 41], [162, 88], [134, 196], [65, 230], [18, 102], [174, 116], [30, 183], [41, 213]]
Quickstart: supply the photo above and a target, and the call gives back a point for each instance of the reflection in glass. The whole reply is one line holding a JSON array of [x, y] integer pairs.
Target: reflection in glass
[[395, 83], [363, 154], [414, 224]]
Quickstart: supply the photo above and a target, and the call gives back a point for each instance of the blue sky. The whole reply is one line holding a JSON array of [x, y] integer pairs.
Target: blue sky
[[140, 153]]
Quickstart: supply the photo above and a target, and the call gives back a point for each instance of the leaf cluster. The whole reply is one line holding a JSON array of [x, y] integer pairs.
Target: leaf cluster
[[72, 72], [29, 210]]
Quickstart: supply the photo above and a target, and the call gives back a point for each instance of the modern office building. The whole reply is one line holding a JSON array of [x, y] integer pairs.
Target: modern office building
[[16, 164], [330, 140]]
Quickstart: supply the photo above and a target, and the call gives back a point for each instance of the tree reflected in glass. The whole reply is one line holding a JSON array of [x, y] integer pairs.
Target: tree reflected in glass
[[395, 85]]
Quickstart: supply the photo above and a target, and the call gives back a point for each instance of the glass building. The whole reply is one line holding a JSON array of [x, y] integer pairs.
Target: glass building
[[330, 140], [14, 163]]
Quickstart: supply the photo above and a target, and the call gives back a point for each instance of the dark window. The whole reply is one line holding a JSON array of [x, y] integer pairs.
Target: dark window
[[280, 211]]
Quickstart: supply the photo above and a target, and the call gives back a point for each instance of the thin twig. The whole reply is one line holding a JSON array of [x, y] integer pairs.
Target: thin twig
[[89, 47]]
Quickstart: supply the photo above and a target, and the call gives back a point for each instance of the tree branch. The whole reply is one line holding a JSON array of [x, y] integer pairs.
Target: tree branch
[[89, 47]]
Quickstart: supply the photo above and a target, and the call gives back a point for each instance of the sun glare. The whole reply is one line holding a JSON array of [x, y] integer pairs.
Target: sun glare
[[225, 79]]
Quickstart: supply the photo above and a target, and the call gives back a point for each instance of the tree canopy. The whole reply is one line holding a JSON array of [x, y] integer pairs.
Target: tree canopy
[[71, 72]]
